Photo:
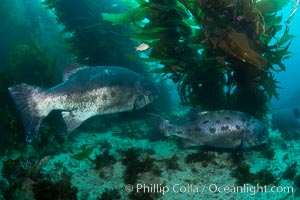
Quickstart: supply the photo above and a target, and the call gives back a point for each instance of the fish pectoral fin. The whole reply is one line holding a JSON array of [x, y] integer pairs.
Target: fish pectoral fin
[[137, 102], [73, 119], [243, 146]]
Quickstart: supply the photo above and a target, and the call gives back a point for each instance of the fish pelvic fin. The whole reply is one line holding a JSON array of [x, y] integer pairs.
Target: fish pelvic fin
[[74, 118], [31, 116]]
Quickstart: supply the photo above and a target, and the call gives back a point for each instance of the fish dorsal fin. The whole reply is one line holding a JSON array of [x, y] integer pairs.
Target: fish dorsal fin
[[71, 69], [195, 113], [73, 119]]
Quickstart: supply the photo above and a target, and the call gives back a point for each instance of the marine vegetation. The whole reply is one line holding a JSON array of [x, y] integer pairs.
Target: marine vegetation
[[84, 154], [28, 62], [144, 195], [267, 151], [297, 183], [21, 173], [265, 177], [132, 130], [90, 39], [223, 54], [135, 165], [204, 157], [109, 194], [62, 189], [243, 173], [25, 177], [32, 63], [172, 163], [262, 177], [26, 56], [104, 159], [291, 171]]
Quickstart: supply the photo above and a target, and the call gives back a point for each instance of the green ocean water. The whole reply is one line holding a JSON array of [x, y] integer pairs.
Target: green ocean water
[[203, 56]]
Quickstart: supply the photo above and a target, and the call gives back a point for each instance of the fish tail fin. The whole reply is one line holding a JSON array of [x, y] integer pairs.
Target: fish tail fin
[[159, 123], [31, 116]]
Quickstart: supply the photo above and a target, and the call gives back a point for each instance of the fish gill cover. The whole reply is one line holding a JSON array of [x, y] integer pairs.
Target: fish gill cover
[[223, 54]]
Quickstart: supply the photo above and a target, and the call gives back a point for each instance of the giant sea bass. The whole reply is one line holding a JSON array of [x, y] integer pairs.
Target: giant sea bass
[[85, 92]]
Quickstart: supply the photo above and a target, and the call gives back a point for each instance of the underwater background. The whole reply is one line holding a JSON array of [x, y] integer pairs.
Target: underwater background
[[202, 56]]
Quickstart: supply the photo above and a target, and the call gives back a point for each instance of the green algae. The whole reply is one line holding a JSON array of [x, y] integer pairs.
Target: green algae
[[62, 189], [84, 154]]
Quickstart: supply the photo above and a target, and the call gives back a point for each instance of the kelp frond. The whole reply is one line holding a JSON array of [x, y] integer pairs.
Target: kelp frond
[[221, 53], [132, 16]]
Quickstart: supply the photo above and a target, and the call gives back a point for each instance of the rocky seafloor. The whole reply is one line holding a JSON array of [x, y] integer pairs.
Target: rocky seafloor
[[129, 161]]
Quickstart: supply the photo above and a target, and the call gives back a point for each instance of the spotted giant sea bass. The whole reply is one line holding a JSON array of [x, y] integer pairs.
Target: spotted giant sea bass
[[223, 129], [85, 92]]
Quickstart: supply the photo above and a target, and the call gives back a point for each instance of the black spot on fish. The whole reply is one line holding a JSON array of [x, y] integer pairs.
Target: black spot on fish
[[206, 121], [237, 127], [227, 118], [212, 129], [224, 128]]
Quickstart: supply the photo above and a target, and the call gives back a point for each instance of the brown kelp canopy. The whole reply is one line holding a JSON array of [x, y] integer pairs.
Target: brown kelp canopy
[[223, 53]]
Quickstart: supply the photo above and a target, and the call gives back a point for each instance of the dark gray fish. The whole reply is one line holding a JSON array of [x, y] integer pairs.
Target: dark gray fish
[[287, 121], [85, 92], [222, 129]]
